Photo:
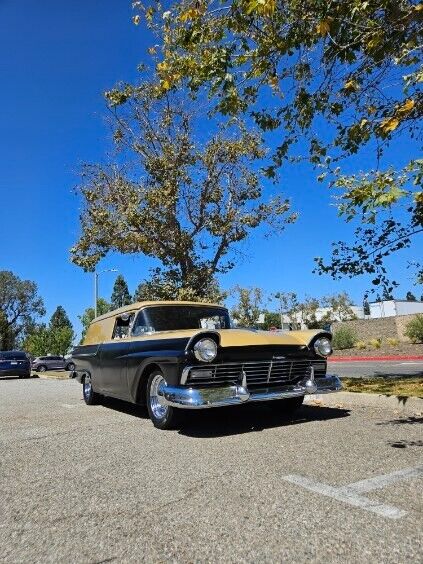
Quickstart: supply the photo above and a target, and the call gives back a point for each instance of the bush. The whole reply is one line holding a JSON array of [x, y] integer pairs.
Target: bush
[[344, 338], [375, 343], [360, 345], [414, 329], [392, 342]]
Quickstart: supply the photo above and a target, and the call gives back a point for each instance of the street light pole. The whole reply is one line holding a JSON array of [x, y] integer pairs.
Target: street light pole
[[96, 275]]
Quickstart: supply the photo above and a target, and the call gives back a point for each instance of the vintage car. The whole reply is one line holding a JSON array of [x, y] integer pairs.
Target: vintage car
[[185, 355]]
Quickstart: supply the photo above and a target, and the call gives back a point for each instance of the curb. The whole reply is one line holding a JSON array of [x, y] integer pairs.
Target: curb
[[373, 358], [404, 405], [44, 376]]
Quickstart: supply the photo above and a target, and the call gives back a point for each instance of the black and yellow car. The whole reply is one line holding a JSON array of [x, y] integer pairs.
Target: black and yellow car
[[185, 355]]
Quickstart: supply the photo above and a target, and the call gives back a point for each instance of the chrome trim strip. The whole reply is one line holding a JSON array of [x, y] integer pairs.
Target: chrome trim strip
[[202, 398]]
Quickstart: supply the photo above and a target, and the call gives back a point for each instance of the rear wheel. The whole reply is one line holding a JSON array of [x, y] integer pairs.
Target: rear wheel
[[70, 366], [90, 396], [287, 406], [163, 416]]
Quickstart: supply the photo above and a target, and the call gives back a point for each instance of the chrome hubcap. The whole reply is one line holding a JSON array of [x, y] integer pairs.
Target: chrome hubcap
[[87, 386], [157, 402]]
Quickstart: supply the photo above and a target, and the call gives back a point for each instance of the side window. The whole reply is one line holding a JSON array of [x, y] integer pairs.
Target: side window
[[140, 326], [123, 324]]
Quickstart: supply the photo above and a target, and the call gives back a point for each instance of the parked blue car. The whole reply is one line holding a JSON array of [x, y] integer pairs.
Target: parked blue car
[[14, 363]]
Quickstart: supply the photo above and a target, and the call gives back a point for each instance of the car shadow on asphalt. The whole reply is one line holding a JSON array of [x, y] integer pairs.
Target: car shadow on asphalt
[[236, 420]]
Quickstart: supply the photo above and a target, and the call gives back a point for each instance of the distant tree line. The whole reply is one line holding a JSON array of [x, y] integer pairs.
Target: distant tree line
[[22, 310]]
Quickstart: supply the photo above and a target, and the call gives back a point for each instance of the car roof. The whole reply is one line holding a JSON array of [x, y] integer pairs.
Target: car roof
[[139, 305]]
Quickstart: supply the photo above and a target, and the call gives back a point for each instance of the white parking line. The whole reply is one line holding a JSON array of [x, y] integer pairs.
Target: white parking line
[[386, 479], [351, 493]]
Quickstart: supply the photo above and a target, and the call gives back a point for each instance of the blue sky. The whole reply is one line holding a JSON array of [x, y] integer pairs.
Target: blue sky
[[56, 60]]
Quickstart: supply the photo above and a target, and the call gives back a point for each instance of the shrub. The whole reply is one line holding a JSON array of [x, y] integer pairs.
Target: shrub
[[375, 343], [392, 342], [414, 329], [344, 338], [360, 345]]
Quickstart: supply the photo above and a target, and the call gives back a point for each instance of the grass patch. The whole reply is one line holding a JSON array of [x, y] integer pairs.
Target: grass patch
[[405, 387]]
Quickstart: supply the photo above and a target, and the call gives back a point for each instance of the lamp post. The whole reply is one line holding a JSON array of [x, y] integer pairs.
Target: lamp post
[[96, 275]]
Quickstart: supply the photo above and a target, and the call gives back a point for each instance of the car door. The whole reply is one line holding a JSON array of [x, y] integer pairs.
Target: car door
[[114, 359]]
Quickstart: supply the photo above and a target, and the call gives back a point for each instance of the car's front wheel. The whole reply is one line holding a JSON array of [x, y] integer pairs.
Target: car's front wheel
[[41, 368], [90, 396], [163, 416]]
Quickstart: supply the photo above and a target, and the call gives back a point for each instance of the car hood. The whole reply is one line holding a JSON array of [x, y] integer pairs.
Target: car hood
[[243, 337]]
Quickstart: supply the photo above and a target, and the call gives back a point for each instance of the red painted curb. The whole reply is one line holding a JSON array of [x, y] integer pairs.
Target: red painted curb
[[372, 358]]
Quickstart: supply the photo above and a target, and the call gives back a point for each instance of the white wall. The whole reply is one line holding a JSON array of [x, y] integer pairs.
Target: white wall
[[390, 308], [405, 308]]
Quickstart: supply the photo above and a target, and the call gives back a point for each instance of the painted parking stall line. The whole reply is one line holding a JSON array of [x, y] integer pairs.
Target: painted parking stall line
[[352, 493], [385, 480]]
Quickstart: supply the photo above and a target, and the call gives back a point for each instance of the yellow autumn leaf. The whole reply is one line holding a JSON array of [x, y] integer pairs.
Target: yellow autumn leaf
[[351, 85], [136, 19], [273, 82], [371, 110], [390, 124], [162, 67], [323, 27], [406, 107], [262, 7], [152, 50], [189, 14], [418, 8]]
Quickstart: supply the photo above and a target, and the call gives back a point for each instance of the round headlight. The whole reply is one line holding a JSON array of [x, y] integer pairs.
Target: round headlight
[[323, 347], [205, 350]]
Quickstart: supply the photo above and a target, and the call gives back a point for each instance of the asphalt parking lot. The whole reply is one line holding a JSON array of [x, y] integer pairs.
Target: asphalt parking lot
[[98, 484]]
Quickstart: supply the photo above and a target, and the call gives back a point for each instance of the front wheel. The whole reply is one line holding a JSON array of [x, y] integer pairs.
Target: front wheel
[[90, 396], [41, 368], [163, 416]]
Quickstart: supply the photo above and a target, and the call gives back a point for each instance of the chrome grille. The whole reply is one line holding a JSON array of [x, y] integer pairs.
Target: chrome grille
[[257, 372]]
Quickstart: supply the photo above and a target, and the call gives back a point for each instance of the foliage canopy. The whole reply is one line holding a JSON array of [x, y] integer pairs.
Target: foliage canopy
[[182, 198], [338, 76]]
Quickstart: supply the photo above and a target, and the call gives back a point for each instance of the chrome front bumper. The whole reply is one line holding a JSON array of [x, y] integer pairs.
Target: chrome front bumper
[[201, 398]]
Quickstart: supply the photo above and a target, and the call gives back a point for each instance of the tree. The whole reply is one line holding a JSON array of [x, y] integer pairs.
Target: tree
[[87, 317], [20, 306], [387, 294], [288, 307], [271, 319], [182, 198], [248, 307], [366, 307], [306, 313], [59, 319], [339, 307], [410, 297], [120, 296], [45, 340], [339, 76], [168, 286]]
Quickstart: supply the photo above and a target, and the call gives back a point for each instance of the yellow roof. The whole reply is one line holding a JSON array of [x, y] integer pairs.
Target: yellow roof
[[138, 305]]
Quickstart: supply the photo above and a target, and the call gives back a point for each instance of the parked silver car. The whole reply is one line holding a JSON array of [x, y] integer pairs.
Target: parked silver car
[[50, 362]]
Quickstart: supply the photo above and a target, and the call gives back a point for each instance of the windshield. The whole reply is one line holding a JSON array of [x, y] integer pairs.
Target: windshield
[[13, 355], [170, 318]]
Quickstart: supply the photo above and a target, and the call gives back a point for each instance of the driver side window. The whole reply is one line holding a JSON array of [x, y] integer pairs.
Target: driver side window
[[123, 326]]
